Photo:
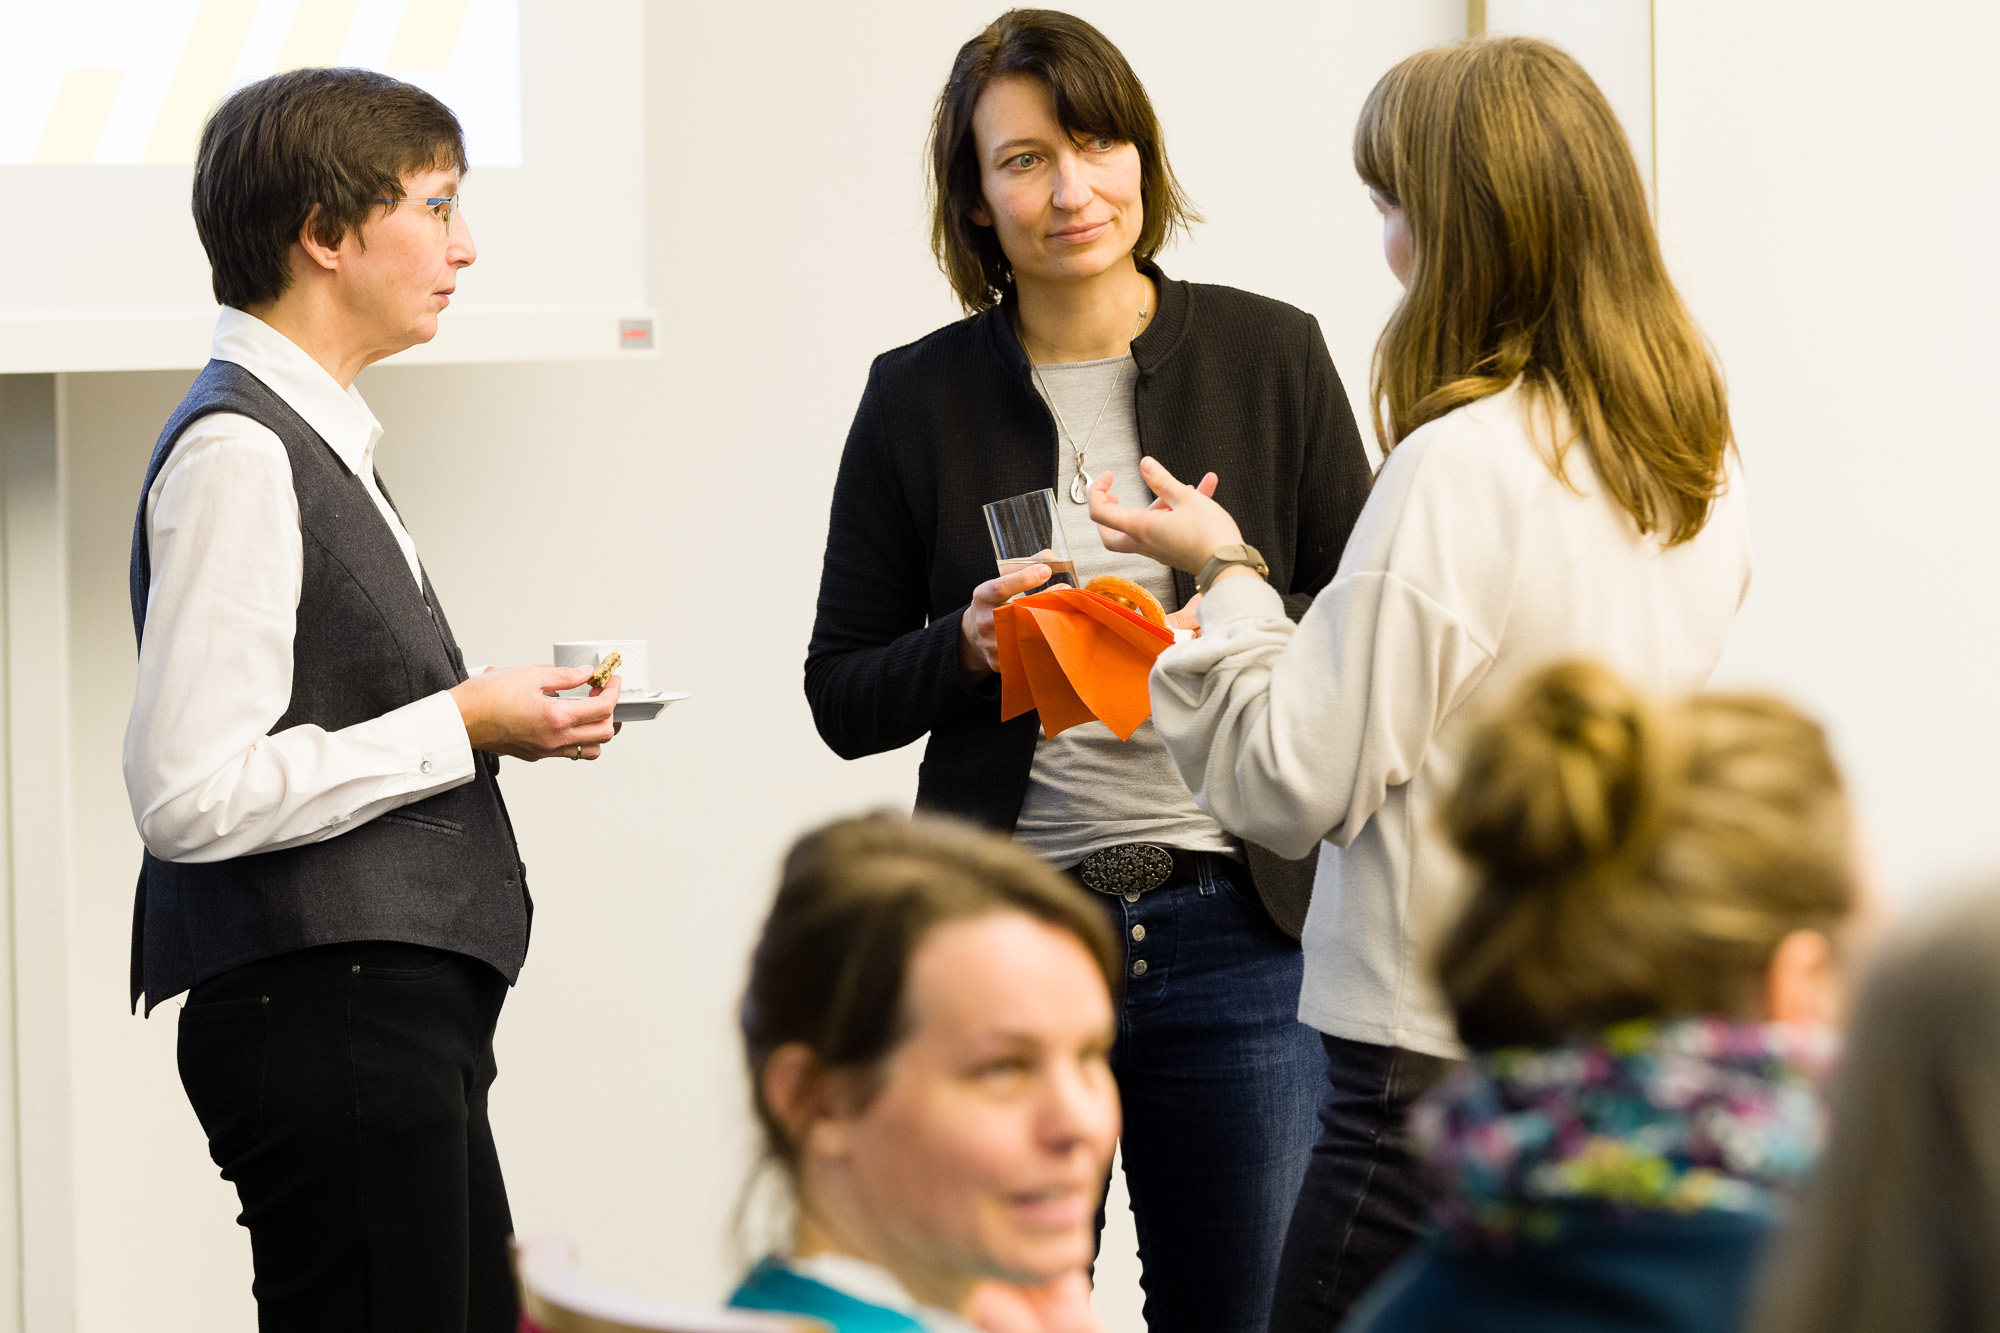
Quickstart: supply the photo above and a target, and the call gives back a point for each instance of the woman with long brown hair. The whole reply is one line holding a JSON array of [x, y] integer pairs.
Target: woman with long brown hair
[[1556, 485], [1053, 197]]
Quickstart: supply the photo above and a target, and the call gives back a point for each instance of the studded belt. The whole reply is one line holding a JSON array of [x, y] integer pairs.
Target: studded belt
[[1132, 868]]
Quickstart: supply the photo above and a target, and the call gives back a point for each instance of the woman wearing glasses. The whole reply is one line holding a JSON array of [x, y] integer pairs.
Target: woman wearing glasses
[[1052, 194]]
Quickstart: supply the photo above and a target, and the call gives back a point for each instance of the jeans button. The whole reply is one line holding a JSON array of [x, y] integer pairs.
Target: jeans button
[[1139, 968], [1138, 932]]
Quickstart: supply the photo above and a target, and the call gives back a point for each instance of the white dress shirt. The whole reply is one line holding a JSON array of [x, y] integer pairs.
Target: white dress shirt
[[1470, 567], [207, 779]]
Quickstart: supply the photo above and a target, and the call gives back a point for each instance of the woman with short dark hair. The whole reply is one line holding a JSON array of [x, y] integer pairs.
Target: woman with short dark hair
[[330, 871], [1052, 196]]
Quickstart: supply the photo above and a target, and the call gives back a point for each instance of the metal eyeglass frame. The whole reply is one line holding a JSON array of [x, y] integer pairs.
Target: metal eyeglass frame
[[450, 200]]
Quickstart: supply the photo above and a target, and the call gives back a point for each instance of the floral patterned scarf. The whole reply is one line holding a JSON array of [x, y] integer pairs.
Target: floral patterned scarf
[[1689, 1115]]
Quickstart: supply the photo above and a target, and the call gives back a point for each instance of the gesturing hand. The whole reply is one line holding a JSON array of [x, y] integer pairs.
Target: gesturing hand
[[1063, 1306], [1183, 528], [514, 712], [978, 650]]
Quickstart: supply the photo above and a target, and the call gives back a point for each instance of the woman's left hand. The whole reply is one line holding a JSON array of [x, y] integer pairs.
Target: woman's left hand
[[1063, 1306], [1183, 528]]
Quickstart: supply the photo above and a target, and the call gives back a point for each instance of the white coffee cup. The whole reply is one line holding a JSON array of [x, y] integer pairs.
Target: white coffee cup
[[631, 671]]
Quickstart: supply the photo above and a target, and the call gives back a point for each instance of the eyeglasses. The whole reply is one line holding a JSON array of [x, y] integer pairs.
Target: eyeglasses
[[442, 209]]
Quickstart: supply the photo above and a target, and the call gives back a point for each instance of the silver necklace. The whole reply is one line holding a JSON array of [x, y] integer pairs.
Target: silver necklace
[[1079, 485]]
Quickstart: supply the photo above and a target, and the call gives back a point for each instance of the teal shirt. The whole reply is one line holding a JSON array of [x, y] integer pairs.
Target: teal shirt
[[772, 1286]]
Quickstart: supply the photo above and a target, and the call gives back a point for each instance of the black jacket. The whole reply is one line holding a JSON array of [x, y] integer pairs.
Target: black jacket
[[1229, 382]]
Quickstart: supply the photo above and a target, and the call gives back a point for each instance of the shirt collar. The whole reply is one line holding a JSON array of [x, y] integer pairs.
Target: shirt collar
[[876, 1286], [339, 415]]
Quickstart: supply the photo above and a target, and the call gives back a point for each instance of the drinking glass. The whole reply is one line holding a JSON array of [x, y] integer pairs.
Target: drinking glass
[[1025, 532]]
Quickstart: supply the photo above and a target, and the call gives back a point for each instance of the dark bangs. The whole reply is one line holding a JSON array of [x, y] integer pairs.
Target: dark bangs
[[1095, 93]]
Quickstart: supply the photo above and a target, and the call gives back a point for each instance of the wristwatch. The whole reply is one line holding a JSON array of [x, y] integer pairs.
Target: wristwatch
[[1224, 558]]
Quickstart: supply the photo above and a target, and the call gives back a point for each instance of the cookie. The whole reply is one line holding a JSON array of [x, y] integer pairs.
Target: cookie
[[1128, 595]]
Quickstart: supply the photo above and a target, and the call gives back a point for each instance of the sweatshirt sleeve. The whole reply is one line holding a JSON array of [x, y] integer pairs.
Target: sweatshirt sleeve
[[1290, 733]]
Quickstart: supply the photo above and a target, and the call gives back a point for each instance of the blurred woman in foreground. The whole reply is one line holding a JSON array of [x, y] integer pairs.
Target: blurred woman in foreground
[[1557, 486], [1649, 972], [928, 1026], [1902, 1224]]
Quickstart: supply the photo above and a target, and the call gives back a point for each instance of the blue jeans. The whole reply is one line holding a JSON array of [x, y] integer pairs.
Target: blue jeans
[[1220, 1081], [1365, 1201]]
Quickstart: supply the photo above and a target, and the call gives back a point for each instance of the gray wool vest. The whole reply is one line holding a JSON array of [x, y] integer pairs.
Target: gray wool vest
[[441, 872]]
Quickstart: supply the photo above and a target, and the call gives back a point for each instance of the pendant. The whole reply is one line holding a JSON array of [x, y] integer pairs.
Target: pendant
[[1079, 486]]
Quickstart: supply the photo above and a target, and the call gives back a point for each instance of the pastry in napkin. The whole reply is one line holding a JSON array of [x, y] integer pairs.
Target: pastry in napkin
[[1076, 657]]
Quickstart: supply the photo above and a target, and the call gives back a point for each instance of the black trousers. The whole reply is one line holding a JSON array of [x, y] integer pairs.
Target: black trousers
[[1364, 1201], [343, 1092]]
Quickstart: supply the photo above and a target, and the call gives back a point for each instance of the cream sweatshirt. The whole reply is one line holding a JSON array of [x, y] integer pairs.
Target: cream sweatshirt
[[1470, 567]]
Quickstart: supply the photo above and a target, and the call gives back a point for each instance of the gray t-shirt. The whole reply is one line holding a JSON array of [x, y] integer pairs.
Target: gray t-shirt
[[1088, 789]]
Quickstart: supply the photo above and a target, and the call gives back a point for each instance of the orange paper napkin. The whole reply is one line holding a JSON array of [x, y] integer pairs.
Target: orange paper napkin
[[1076, 657]]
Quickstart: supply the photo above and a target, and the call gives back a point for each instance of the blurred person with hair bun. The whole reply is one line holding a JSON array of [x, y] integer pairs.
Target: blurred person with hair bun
[[1902, 1222], [1557, 485], [928, 1026], [1650, 971]]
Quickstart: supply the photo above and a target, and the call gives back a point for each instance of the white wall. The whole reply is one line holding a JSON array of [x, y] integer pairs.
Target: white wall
[[1823, 203], [1827, 203], [1611, 39], [682, 500]]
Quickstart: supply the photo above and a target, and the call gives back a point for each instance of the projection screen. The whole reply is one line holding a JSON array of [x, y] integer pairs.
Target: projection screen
[[101, 102]]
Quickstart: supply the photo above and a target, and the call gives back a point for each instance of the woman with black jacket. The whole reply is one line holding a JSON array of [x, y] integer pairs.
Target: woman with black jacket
[[1052, 193]]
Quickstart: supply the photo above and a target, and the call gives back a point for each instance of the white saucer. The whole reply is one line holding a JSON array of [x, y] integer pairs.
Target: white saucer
[[636, 707]]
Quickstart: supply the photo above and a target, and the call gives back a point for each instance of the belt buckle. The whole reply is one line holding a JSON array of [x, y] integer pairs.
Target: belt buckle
[[1130, 867]]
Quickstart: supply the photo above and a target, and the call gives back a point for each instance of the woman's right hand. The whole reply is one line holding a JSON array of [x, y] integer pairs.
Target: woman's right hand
[[515, 712], [978, 650], [1181, 529]]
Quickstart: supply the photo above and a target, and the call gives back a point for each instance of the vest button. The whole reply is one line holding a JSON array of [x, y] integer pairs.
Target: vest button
[[1139, 968]]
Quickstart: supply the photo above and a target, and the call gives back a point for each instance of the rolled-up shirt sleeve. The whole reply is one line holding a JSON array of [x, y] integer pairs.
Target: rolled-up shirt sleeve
[[207, 778]]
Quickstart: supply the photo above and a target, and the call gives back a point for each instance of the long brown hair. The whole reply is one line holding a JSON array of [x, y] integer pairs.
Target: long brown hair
[[1902, 1220], [1634, 858], [1095, 93], [855, 900], [1533, 258]]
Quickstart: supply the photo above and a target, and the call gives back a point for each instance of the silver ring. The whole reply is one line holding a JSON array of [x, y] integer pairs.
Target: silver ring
[[578, 754]]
